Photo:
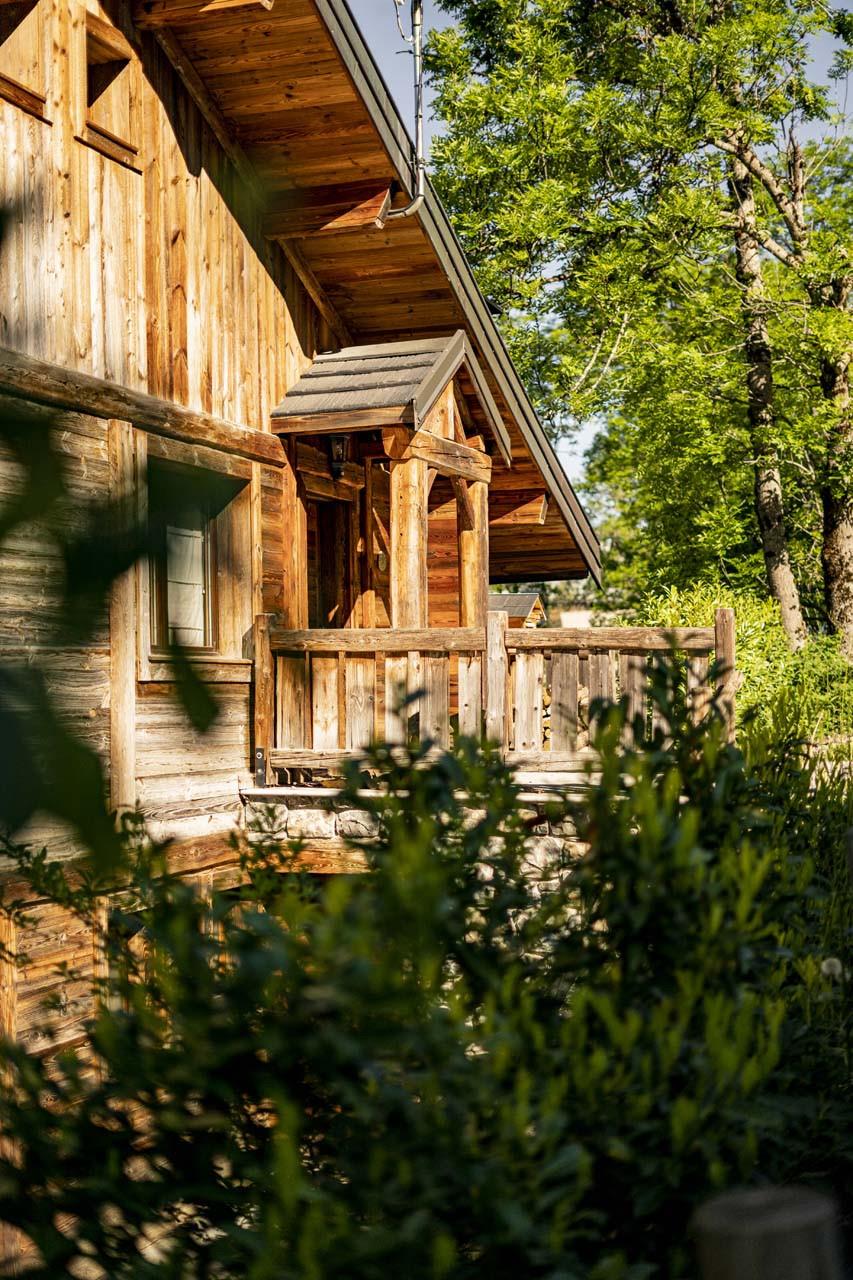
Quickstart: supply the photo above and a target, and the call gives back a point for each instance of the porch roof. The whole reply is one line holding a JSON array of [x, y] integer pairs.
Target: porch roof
[[389, 382]]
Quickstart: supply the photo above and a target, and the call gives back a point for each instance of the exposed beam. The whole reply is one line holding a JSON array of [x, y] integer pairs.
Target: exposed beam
[[517, 509], [315, 462], [198, 91], [302, 424], [447, 456], [51, 384], [318, 211], [465, 507], [316, 292], [155, 14]]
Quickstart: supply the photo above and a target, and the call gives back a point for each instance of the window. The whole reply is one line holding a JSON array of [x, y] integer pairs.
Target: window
[[195, 522], [109, 123], [21, 55]]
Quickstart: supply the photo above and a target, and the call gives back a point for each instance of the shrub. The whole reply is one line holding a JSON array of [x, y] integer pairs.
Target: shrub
[[457, 1065], [814, 687]]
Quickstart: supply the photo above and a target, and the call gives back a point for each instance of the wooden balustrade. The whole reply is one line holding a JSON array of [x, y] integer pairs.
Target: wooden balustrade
[[336, 690], [543, 683], [322, 695]]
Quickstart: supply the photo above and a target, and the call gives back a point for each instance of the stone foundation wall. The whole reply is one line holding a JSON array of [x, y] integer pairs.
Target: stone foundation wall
[[322, 818]]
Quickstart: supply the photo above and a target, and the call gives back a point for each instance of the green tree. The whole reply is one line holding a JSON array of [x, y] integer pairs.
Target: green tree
[[607, 163]]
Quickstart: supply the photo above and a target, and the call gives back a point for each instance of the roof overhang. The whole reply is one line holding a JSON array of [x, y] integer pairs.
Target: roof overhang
[[295, 96]]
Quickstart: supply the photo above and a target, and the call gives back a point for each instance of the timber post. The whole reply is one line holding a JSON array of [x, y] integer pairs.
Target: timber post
[[497, 678], [772, 1233], [473, 538], [408, 585], [264, 696], [724, 633]]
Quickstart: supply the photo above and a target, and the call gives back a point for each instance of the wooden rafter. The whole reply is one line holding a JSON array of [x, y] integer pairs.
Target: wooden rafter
[[155, 14], [316, 211], [315, 291]]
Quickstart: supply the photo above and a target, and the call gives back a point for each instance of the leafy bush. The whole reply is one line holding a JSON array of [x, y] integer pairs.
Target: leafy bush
[[813, 686], [463, 1064]]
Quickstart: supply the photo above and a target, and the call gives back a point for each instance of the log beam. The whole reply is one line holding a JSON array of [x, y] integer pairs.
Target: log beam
[[51, 384], [447, 457], [408, 544]]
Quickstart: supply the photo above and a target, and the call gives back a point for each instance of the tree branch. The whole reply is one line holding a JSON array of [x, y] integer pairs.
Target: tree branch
[[765, 175]]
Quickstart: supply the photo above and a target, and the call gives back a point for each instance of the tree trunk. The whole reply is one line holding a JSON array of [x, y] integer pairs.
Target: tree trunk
[[769, 502], [837, 503]]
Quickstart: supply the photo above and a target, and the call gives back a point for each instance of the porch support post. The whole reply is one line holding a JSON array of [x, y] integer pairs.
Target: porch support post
[[473, 527], [408, 584], [292, 718], [409, 544]]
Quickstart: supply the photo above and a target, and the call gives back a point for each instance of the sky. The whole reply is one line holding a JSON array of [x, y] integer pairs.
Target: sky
[[379, 28]]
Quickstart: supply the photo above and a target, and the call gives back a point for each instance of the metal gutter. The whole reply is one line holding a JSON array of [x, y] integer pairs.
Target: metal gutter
[[374, 92]]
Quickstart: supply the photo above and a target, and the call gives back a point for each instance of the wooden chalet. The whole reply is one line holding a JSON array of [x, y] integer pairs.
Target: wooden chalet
[[307, 399]]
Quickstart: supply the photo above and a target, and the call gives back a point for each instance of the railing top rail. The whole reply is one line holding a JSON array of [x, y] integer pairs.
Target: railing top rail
[[379, 640], [622, 639]]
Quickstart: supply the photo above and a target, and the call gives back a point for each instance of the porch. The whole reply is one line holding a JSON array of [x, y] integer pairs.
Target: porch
[[321, 695], [412, 493]]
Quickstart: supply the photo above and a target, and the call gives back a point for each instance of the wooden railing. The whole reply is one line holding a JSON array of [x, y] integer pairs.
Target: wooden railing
[[322, 695], [542, 683]]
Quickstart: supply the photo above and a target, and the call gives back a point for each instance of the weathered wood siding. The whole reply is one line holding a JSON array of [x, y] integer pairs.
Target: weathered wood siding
[[31, 580], [155, 277]]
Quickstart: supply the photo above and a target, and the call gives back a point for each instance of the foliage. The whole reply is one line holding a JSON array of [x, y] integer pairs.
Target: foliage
[[586, 159], [465, 1063], [812, 690]]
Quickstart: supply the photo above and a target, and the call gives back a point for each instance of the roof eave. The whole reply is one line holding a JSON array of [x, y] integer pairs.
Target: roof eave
[[374, 93]]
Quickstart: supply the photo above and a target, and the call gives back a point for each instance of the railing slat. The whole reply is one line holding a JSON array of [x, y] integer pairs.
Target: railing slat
[[379, 640], [600, 677], [528, 688], [360, 686], [396, 680], [470, 685], [632, 679], [633, 639], [292, 702], [324, 703], [698, 689], [564, 701], [724, 644], [435, 707]]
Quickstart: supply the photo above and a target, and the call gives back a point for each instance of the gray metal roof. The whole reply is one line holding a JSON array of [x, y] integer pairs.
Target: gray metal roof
[[516, 603], [411, 375]]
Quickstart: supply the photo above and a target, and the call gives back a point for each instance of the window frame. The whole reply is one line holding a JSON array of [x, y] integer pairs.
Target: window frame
[[158, 568], [229, 662], [28, 97], [110, 44]]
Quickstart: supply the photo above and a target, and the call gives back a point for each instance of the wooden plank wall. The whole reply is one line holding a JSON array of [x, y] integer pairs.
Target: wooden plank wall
[[159, 280]]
